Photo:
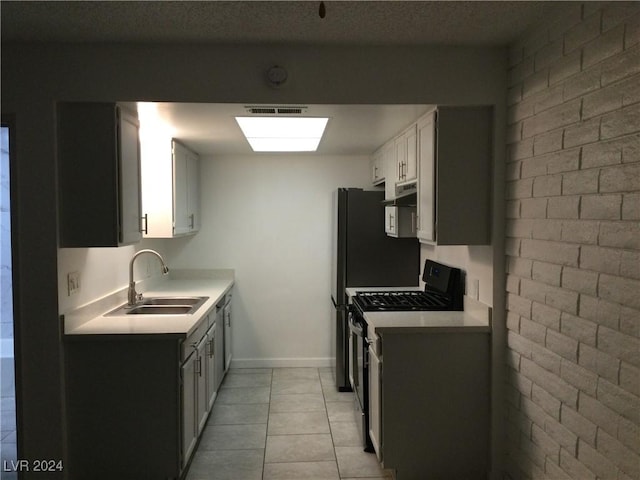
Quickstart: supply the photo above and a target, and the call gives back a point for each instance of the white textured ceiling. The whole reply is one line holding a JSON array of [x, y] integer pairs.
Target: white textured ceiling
[[211, 129], [476, 23]]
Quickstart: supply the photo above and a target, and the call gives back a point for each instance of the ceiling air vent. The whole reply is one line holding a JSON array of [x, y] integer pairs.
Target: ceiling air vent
[[290, 110], [266, 110], [262, 110]]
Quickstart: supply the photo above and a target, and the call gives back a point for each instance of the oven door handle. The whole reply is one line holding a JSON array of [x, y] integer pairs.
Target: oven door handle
[[355, 328]]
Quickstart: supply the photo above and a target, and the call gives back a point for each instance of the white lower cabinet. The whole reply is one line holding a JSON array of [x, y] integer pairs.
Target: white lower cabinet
[[201, 379], [375, 369], [194, 394], [137, 405], [429, 400], [188, 390]]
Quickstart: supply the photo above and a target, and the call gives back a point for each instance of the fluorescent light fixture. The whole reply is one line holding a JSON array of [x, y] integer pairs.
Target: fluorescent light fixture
[[283, 134]]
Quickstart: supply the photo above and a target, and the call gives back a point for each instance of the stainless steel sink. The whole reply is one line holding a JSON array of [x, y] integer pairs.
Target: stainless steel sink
[[162, 306]]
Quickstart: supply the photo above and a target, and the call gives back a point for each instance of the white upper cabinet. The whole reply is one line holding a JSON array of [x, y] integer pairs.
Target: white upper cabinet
[[384, 168], [426, 184], [98, 175], [170, 188], [406, 156], [400, 222], [454, 186]]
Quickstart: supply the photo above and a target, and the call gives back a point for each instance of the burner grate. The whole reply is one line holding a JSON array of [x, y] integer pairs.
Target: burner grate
[[402, 301]]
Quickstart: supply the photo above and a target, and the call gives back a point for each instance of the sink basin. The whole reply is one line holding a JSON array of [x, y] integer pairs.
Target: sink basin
[[181, 305], [160, 310]]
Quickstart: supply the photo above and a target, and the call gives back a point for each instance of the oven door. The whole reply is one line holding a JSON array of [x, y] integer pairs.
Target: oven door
[[356, 339], [358, 374]]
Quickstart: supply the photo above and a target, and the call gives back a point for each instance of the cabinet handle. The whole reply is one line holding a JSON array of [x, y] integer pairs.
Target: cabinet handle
[[211, 348], [199, 366], [192, 221], [145, 219]]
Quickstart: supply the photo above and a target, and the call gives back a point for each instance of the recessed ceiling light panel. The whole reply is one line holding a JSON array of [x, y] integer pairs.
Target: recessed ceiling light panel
[[283, 134]]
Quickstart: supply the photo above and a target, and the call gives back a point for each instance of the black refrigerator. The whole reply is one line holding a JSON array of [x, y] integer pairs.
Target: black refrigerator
[[364, 256]]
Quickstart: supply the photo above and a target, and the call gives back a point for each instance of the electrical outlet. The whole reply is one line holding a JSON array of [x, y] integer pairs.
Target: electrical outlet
[[73, 283], [474, 288]]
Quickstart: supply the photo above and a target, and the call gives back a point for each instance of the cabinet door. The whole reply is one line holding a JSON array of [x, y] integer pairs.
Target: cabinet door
[[189, 422], [227, 335], [401, 158], [427, 182], [389, 166], [219, 346], [377, 167], [186, 191], [193, 191], [406, 155], [210, 366], [411, 169], [129, 163], [390, 225], [202, 402], [375, 377], [181, 221]]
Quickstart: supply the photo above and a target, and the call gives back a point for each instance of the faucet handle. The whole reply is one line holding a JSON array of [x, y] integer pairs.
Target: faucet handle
[[138, 298]]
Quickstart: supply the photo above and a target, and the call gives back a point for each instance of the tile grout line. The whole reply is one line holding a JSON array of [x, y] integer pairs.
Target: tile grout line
[[266, 432], [333, 443]]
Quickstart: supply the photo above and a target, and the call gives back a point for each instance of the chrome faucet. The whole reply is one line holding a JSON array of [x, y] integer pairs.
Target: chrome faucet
[[132, 296]]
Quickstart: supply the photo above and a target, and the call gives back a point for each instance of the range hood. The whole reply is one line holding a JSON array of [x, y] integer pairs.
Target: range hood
[[406, 195]]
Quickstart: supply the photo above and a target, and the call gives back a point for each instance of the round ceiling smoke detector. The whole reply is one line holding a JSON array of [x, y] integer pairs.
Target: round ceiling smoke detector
[[276, 76]]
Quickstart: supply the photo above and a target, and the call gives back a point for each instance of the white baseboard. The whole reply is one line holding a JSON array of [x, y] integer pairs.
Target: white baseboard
[[282, 362]]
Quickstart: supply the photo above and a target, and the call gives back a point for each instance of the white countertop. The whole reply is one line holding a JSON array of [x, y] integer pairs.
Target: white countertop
[[92, 319]]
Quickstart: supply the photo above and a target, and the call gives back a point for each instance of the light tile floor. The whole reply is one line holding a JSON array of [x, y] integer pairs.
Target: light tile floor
[[282, 424]]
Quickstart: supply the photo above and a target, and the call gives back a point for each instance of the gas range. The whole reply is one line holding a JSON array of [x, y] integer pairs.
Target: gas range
[[443, 291]]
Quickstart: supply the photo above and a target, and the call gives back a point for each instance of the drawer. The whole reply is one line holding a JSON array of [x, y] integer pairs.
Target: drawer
[[191, 342]]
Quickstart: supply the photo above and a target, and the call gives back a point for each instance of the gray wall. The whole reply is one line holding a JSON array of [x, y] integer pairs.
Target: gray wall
[[573, 247], [34, 77]]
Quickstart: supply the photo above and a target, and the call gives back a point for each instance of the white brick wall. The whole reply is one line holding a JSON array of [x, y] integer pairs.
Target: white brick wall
[[573, 247]]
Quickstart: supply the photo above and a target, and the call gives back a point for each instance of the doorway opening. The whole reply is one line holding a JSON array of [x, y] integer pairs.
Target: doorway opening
[[8, 433]]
